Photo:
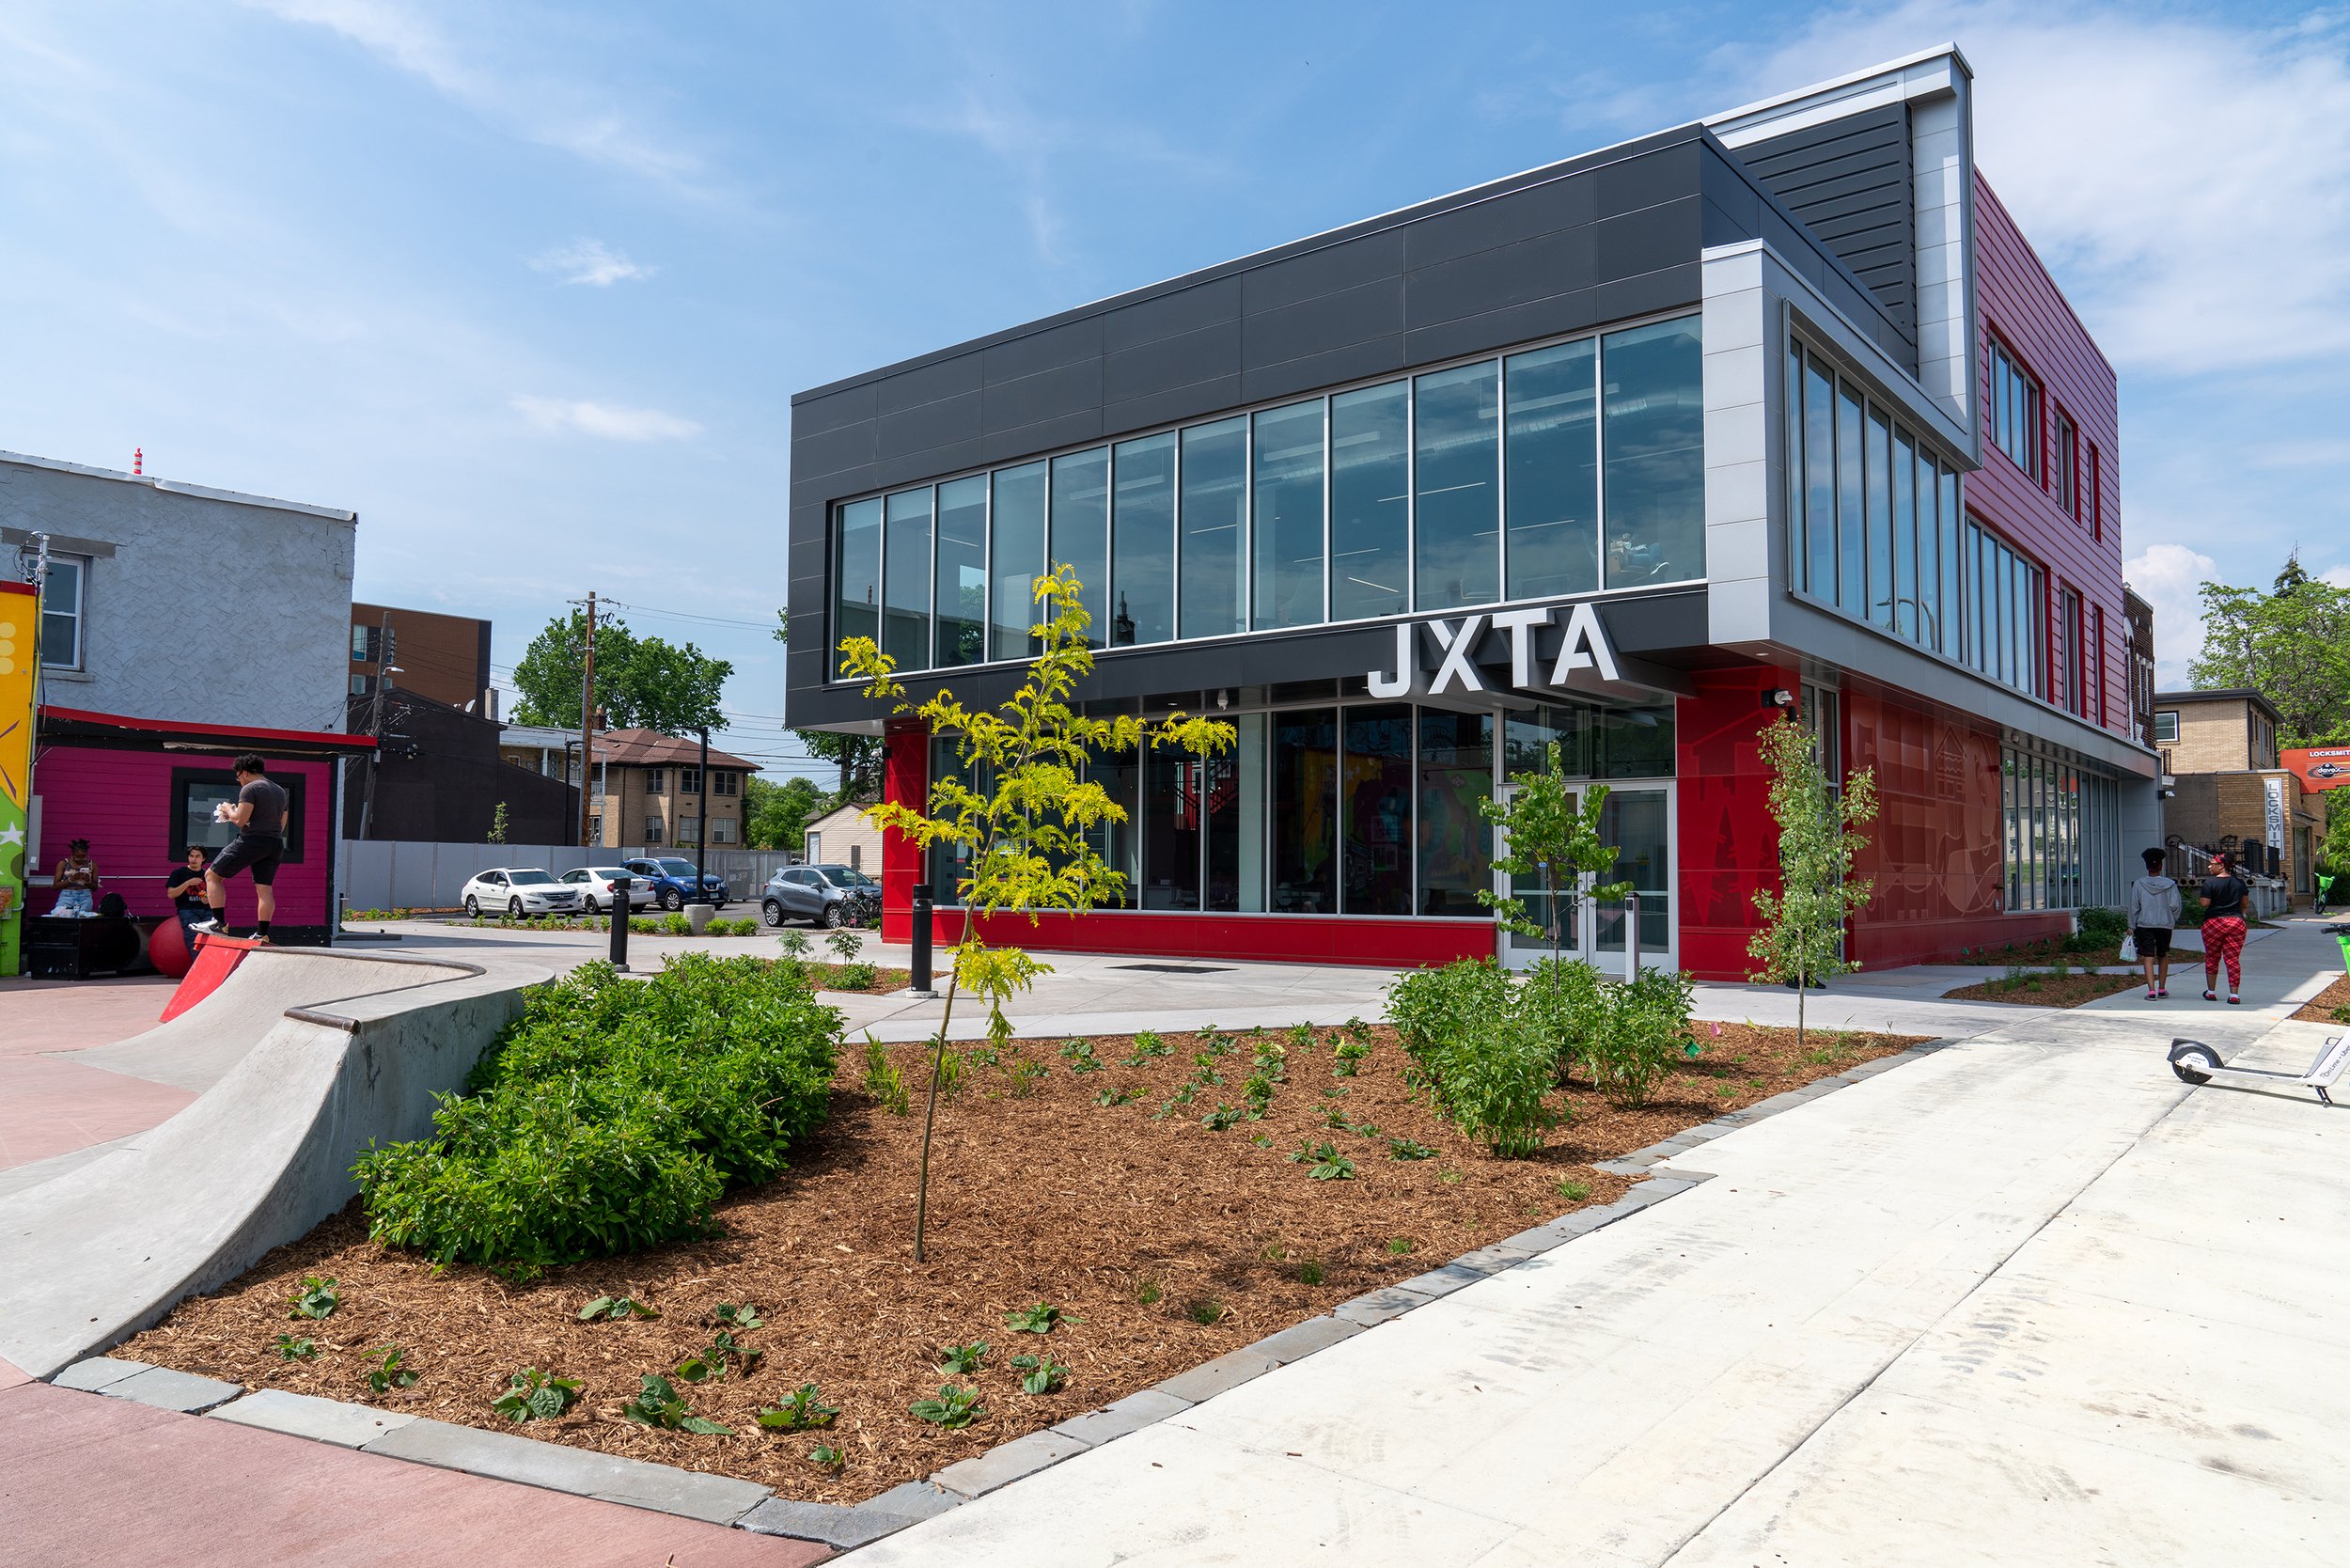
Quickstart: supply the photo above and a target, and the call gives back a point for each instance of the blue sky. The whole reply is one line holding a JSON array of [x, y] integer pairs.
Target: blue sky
[[530, 285]]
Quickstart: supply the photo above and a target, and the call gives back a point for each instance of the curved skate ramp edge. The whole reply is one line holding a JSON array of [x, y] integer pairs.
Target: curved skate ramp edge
[[343, 1050]]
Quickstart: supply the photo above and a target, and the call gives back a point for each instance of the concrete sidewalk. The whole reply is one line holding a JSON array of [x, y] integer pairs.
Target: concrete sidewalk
[[2028, 1300]]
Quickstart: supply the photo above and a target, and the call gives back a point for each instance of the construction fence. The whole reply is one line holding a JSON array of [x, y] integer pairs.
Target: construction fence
[[394, 873]]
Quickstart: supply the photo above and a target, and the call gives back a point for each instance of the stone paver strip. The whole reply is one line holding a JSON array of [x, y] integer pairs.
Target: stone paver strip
[[1121, 1416], [720, 1500], [167, 1390], [1302, 1339], [97, 1372], [1008, 1462], [327, 1421], [1211, 1378], [1378, 1307], [1440, 1281], [912, 1499], [834, 1524]]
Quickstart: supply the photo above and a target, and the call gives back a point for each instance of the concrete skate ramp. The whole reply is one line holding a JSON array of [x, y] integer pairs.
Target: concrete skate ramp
[[327, 1053]]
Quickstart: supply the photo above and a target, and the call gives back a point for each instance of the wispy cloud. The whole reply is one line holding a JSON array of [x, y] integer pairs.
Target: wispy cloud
[[2169, 578], [569, 117], [2196, 206], [604, 421], [591, 263]]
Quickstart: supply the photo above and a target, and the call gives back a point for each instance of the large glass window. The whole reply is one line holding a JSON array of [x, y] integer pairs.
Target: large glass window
[[1455, 487], [1142, 542], [1171, 821], [1120, 844], [1305, 791], [2064, 446], [2014, 409], [1852, 537], [1456, 772], [856, 576], [906, 578], [1371, 502], [1904, 536], [61, 611], [1654, 442], [1953, 537], [1375, 803], [1232, 805], [961, 572], [1016, 526], [1286, 455], [1081, 531], [1552, 400], [1880, 481], [1215, 520], [1817, 479]]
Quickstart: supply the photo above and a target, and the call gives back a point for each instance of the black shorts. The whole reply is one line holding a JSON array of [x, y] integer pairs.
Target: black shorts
[[256, 852], [2153, 941]]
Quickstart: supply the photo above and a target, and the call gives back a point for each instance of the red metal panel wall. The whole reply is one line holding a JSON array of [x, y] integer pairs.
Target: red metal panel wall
[[1729, 844], [2020, 304], [120, 801], [905, 776], [1266, 938]]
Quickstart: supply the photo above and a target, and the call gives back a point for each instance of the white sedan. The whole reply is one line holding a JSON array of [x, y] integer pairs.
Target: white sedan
[[519, 891], [595, 887]]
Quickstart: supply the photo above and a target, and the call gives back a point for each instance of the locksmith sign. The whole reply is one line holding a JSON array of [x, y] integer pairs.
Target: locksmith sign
[[1453, 643]]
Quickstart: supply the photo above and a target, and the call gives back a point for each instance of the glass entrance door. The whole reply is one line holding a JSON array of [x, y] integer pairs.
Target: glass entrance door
[[1542, 906], [1637, 819]]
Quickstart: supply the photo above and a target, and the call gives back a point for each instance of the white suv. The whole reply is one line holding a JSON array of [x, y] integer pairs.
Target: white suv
[[518, 892]]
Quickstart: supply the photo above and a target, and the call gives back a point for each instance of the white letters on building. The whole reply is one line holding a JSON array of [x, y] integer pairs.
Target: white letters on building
[[1585, 646]]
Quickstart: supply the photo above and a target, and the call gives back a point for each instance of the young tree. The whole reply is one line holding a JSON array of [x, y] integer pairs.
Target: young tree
[[1027, 827], [1547, 835], [498, 825], [640, 681], [857, 757], [2291, 644], [1803, 922]]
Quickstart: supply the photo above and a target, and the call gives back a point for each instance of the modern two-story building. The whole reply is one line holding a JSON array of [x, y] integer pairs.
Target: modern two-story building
[[1773, 416]]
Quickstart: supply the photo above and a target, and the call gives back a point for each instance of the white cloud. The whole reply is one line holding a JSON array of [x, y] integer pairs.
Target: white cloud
[[569, 116], [2167, 576], [2184, 177], [605, 421], [590, 261]]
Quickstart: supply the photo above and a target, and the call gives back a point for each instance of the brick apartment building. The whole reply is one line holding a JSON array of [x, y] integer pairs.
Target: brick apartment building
[[2232, 789], [446, 657], [646, 790]]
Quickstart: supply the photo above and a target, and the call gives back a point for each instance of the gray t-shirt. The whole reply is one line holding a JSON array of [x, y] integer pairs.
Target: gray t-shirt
[[267, 800]]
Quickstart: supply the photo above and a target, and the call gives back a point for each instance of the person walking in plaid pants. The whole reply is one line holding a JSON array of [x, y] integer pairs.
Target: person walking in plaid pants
[[2223, 894]]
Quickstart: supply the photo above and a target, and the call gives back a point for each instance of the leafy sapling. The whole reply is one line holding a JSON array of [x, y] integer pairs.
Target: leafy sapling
[[827, 1456], [1044, 1374], [958, 1360], [1118, 1096], [1327, 1163], [1079, 1054], [390, 1371], [315, 1300], [533, 1396], [292, 1349], [1405, 1148], [1147, 1045], [952, 1410], [846, 946], [1802, 935]]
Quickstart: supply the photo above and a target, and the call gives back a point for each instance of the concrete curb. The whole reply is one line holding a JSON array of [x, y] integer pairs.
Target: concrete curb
[[745, 1505]]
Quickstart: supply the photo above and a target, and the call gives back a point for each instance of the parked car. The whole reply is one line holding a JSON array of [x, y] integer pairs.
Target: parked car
[[828, 895], [595, 887], [519, 891], [671, 879]]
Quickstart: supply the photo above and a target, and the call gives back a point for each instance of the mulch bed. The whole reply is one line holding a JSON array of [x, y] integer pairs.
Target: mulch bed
[[2330, 1006], [2046, 990], [2042, 954], [1167, 1244], [885, 980]]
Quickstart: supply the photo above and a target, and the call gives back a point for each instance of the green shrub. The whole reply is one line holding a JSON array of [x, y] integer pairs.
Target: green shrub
[[2105, 928], [1642, 1029], [1486, 1057], [676, 925], [855, 977], [611, 1116]]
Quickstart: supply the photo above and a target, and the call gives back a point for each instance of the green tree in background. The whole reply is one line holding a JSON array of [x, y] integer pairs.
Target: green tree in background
[[857, 757], [641, 682], [775, 816], [1803, 922], [2292, 645]]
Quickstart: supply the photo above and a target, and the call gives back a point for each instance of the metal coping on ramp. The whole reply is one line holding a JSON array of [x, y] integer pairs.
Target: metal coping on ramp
[[745, 1505]]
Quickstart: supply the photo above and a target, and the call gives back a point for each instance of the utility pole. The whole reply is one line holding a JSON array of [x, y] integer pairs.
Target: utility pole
[[375, 720], [587, 714], [701, 833]]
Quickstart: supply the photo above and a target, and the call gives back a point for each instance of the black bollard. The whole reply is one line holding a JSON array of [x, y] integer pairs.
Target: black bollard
[[921, 975], [619, 923]]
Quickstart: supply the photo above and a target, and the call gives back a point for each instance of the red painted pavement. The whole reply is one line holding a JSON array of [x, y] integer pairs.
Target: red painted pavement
[[87, 1481], [49, 1106]]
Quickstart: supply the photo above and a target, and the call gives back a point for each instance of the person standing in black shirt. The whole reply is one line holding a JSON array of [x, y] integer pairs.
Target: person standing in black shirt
[[185, 883], [259, 816], [2223, 894]]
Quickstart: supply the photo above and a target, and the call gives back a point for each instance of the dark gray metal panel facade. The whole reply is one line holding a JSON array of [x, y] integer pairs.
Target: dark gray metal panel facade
[[1560, 249], [1852, 183]]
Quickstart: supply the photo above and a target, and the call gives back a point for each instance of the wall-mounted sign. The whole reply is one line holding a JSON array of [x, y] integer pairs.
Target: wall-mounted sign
[[2321, 767], [1583, 646], [2275, 792]]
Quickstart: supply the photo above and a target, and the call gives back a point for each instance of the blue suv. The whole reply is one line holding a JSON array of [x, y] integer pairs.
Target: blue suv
[[671, 880]]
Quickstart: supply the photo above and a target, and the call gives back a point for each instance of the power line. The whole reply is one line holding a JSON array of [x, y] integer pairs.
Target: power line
[[692, 614]]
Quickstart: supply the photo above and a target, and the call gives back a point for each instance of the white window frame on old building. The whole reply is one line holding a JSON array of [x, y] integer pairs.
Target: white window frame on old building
[[689, 830], [722, 830], [653, 781], [653, 830], [721, 781], [689, 782], [77, 617], [2166, 726]]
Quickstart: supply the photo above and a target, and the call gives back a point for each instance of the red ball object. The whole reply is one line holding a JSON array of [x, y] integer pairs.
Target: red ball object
[[167, 948]]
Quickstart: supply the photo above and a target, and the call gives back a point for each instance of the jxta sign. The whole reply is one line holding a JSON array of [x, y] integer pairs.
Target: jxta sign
[[1583, 646]]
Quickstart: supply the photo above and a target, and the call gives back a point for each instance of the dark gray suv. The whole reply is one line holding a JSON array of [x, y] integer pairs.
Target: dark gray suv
[[828, 895]]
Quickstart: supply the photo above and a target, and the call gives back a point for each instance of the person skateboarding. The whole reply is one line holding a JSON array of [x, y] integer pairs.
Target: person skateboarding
[[260, 817]]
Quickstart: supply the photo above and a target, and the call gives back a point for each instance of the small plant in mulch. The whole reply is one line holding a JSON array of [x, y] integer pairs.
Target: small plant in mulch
[[1041, 1373], [1348, 1053], [533, 1396], [1399, 1246], [1117, 1097], [725, 1349], [1080, 1056], [1573, 1191], [883, 1080], [952, 1410], [1405, 1148], [845, 946], [1207, 1312], [1148, 1291], [617, 1308], [315, 1300], [803, 1411], [1221, 1118], [292, 1349], [1043, 1318], [390, 1371], [1328, 1164], [1148, 1045], [659, 1405], [956, 1360], [1310, 1272], [827, 1456]]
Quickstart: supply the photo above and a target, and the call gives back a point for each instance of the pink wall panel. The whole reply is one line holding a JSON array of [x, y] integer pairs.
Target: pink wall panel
[[2020, 304], [1729, 845], [120, 801]]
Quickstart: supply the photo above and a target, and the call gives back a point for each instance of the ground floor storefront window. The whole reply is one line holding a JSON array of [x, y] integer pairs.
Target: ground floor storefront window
[[2061, 834]]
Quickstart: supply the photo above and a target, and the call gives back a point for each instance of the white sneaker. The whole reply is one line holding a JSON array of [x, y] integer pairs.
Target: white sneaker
[[210, 928]]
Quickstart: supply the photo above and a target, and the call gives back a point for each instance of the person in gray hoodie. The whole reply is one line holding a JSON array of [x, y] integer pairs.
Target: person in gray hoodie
[[2154, 910]]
